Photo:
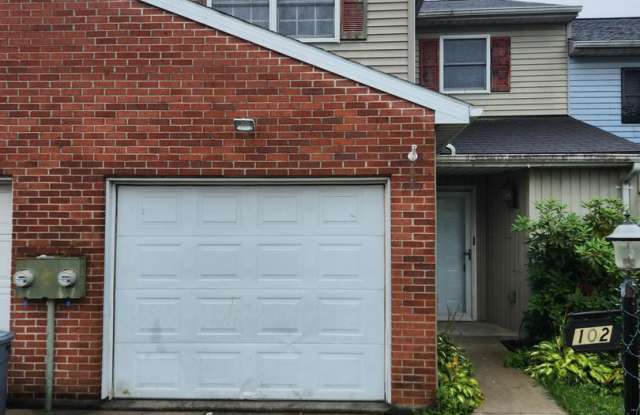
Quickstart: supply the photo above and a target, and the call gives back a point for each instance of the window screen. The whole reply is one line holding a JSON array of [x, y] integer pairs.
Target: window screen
[[252, 11], [465, 64], [631, 96], [306, 19]]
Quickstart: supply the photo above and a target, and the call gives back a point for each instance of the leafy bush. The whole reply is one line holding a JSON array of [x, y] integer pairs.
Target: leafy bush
[[458, 391], [551, 362], [518, 359], [571, 264]]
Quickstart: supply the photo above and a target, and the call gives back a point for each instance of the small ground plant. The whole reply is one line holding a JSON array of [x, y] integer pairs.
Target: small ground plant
[[458, 391], [551, 362], [582, 384]]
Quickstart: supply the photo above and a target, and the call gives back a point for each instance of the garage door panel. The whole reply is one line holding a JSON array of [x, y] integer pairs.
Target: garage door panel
[[250, 315], [233, 210], [248, 371], [250, 292], [265, 262]]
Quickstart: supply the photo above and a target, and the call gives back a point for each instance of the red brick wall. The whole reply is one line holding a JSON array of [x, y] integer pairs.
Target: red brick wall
[[95, 89]]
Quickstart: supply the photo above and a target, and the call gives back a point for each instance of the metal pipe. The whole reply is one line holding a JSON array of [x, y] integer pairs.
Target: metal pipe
[[630, 353], [451, 148], [626, 186], [51, 335]]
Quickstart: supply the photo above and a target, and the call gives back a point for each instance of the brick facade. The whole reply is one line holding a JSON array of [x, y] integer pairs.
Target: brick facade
[[113, 88]]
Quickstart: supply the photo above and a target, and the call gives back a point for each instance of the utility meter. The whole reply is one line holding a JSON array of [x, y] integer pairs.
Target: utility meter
[[50, 277], [23, 278], [67, 278]]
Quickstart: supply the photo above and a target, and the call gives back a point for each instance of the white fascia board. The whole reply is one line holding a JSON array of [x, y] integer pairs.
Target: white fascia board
[[493, 11], [447, 110]]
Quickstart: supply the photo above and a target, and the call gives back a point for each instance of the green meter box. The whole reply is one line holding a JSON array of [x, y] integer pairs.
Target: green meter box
[[50, 277]]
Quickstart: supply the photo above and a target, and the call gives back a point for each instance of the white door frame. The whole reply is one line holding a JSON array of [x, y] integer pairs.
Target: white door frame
[[111, 200], [6, 181], [471, 268]]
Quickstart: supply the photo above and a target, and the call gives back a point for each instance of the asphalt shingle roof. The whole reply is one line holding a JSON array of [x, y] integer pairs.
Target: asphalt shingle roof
[[624, 28], [459, 5], [538, 135]]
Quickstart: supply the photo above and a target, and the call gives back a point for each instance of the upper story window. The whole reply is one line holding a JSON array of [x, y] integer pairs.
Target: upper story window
[[464, 64], [313, 20], [631, 96]]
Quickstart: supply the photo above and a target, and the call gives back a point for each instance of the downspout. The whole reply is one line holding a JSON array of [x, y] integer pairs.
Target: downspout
[[626, 186], [451, 149]]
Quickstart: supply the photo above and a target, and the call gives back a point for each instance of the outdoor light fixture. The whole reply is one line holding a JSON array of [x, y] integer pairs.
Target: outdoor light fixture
[[509, 195], [626, 245], [244, 125]]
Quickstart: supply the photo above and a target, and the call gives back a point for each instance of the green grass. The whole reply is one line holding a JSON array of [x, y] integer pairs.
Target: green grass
[[585, 400]]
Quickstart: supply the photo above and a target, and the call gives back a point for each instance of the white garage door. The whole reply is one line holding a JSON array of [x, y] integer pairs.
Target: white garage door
[[5, 255], [250, 292]]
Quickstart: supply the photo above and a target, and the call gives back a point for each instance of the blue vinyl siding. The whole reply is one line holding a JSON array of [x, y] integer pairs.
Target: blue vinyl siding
[[595, 93]]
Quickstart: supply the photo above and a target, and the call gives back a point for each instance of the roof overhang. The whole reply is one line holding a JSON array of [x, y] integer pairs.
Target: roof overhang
[[447, 110], [511, 15], [527, 161], [604, 47]]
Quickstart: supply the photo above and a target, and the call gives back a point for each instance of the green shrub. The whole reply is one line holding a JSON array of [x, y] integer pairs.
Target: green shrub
[[551, 361], [571, 264], [458, 391], [518, 359]]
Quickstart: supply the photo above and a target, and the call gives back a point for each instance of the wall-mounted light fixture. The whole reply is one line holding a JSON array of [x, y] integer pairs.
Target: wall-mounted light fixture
[[413, 154], [509, 195], [244, 125]]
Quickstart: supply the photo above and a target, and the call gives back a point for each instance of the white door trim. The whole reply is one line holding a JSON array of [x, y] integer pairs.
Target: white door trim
[[5, 324], [111, 196], [471, 243]]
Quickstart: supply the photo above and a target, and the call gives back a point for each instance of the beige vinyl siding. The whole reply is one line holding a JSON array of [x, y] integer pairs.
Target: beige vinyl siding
[[387, 44], [507, 283], [538, 70], [576, 185]]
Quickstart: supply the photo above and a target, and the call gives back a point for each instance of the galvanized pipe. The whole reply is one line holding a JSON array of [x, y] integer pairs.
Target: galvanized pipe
[[51, 336], [626, 187]]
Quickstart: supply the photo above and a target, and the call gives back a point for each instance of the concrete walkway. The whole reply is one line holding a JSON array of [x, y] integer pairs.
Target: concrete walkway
[[507, 391]]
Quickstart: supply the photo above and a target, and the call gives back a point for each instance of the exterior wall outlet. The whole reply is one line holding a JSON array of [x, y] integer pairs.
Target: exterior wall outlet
[[54, 278]]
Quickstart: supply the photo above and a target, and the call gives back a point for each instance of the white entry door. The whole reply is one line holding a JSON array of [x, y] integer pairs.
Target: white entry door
[[5, 255], [250, 292], [454, 256]]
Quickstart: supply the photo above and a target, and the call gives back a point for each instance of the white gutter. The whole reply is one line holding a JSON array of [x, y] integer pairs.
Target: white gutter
[[500, 11], [609, 44], [535, 160], [447, 110]]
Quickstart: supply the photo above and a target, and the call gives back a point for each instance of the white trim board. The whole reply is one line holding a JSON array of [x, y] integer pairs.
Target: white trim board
[[5, 252], [447, 110], [107, 387]]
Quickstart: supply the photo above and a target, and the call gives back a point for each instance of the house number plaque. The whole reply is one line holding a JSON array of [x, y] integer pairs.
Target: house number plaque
[[594, 331]]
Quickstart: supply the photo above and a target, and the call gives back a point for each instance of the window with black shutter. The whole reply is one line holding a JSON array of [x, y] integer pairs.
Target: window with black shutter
[[631, 96]]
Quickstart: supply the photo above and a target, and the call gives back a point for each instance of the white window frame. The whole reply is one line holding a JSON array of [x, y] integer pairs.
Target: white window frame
[[273, 23], [487, 89]]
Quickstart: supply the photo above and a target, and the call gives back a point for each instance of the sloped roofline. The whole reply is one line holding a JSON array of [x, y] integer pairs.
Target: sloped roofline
[[447, 110]]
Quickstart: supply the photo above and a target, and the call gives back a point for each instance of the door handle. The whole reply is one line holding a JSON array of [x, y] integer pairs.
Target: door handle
[[467, 253]]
